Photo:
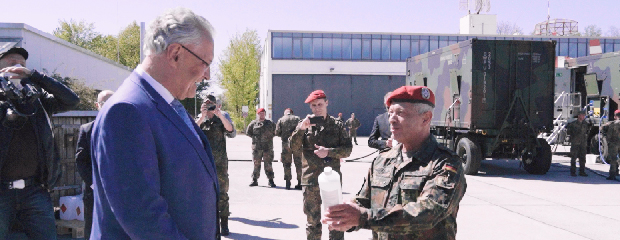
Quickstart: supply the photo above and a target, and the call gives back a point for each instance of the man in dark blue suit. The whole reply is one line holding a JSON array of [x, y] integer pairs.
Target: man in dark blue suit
[[153, 171], [380, 135]]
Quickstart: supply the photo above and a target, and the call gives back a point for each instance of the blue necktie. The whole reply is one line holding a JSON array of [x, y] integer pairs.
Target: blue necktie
[[178, 107]]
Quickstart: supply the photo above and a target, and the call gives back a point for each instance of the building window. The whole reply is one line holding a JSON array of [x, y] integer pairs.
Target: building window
[[443, 41], [337, 48], [581, 49], [287, 47], [327, 48], [376, 49], [572, 48], [296, 47], [424, 46], [307, 48], [356, 51], [405, 49], [609, 45], [433, 43], [317, 48], [366, 49], [346, 48], [385, 49], [277, 47]]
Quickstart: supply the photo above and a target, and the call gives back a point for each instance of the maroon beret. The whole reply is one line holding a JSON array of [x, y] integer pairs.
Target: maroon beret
[[414, 94], [260, 110], [617, 112], [317, 94]]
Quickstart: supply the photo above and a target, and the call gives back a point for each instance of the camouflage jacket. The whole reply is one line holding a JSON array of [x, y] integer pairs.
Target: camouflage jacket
[[329, 134], [578, 132], [416, 198], [611, 131], [261, 134], [216, 133], [285, 126], [352, 123]]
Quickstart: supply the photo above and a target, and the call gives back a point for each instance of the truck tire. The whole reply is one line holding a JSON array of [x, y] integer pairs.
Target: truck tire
[[594, 145], [470, 154], [541, 162]]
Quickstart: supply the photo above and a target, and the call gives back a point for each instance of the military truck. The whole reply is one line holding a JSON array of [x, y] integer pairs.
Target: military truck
[[493, 97], [591, 83]]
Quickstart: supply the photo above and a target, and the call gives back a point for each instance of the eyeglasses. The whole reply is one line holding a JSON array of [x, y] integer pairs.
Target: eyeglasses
[[190, 51]]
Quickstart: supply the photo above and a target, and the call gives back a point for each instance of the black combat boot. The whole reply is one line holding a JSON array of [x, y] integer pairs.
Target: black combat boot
[[298, 186], [288, 184], [254, 183], [583, 174], [611, 178], [224, 226], [271, 183]]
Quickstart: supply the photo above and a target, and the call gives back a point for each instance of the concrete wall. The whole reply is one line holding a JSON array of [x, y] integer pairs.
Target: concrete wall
[[51, 54]]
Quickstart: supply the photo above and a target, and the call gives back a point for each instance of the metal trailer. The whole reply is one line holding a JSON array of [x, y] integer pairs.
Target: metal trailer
[[592, 83], [493, 98]]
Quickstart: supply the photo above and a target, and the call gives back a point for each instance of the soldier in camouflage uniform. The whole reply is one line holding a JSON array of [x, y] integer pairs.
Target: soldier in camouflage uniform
[[339, 118], [611, 131], [322, 145], [261, 131], [413, 190], [353, 124], [578, 132], [284, 128], [216, 125]]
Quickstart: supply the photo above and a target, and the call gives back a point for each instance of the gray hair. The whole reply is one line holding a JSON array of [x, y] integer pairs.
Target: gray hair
[[423, 107], [178, 25]]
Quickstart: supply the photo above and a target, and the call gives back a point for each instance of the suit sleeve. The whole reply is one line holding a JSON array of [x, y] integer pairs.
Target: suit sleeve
[[128, 173], [82, 156], [374, 140]]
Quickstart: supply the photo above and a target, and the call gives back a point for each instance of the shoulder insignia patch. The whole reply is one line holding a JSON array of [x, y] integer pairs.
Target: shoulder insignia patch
[[449, 168]]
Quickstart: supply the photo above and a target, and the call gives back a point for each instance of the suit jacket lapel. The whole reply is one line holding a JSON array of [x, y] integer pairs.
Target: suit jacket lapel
[[178, 122]]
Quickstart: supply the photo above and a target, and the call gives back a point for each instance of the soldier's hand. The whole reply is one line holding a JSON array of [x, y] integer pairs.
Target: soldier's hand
[[342, 217], [203, 109], [20, 72], [388, 142], [321, 151], [305, 124]]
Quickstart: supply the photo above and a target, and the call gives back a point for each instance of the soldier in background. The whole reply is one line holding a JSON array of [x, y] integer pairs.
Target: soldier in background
[[578, 132], [261, 131], [284, 128], [380, 135], [413, 190], [339, 118], [322, 142], [353, 124], [215, 125], [611, 131]]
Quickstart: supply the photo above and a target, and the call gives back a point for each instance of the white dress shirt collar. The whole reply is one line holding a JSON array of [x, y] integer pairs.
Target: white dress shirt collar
[[163, 92]]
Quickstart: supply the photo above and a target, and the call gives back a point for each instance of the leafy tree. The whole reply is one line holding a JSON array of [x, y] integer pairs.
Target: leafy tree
[[592, 31], [507, 28], [88, 95], [613, 32], [129, 45], [239, 75], [79, 33]]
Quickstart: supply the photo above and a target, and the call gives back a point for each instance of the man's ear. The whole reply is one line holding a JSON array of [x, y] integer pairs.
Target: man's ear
[[427, 117], [172, 53]]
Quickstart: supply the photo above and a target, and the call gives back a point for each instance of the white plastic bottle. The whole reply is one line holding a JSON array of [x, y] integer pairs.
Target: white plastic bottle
[[331, 189]]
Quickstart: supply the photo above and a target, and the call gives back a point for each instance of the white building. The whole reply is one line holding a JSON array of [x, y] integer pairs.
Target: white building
[[50, 54]]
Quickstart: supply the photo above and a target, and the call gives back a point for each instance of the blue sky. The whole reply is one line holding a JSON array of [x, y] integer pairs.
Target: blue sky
[[233, 16]]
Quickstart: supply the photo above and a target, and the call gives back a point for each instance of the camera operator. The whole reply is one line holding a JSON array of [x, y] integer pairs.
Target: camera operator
[[29, 161]]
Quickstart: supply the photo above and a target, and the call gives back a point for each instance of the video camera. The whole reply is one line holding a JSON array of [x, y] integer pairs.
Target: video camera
[[18, 101]]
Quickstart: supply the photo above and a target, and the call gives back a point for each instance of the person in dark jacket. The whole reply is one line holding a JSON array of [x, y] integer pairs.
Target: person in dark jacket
[[380, 135], [29, 160], [85, 163]]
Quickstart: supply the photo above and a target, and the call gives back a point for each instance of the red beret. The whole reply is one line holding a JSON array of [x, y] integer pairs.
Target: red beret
[[260, 110], [317, 94], [617, 112], [415, 94]]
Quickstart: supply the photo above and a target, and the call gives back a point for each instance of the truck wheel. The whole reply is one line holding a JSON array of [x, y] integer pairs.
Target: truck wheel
[[470, 154], [541, 162], [594, 145]]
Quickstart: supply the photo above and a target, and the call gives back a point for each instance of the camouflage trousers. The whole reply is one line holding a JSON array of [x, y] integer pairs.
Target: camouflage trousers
[[265, 156], [353, 135], [612, 158], [577, 151], [287, 161], [222, 178], [312, 209]]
